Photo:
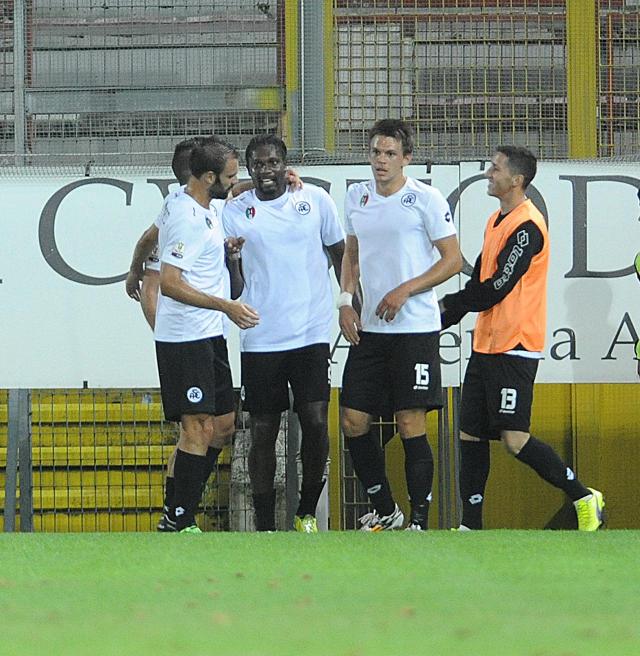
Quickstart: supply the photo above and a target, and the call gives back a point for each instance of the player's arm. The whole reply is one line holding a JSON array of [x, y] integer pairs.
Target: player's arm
[[141, 252], [336, 255], [233, 261], [448, 265], [173, 285], [349, 280], [513, 262], [450, 316]]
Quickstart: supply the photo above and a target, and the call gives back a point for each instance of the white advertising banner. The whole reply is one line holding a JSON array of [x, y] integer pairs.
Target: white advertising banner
[[67, 243]]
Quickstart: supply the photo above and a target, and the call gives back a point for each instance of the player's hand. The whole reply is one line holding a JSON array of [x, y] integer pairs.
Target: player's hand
[[132, 285], [294, 180], [233, 245], [243, 315], [350, 324], [391, 304]]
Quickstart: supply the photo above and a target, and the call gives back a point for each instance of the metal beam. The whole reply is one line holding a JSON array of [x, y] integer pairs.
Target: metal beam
[[19, 77], [153, 100], [582, 90]]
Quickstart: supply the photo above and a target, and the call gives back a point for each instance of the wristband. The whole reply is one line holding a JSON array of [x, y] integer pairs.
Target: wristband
[[345, 298]]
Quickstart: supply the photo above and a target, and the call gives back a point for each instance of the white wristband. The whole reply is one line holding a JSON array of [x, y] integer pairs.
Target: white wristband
[[345, 298]]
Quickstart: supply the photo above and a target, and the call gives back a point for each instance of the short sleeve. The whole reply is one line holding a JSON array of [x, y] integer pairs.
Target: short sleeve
[[185, 239], [331, 230], [348, 208], [437, 217]]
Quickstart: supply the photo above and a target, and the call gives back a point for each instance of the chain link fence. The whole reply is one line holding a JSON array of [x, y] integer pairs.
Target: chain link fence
[[119, 83]]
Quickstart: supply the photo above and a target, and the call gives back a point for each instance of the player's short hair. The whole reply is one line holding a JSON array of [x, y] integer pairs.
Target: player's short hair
[[211, 154], [265, 140], [521, 161], [180, 161], [393, 127]]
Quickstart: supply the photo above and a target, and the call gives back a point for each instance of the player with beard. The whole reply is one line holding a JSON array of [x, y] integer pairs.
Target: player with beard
[[287, 280], [195, 378]]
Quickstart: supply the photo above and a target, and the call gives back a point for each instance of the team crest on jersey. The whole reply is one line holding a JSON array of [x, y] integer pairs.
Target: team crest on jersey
[[250, 213], [408, 200], [207, 220], [364, 199], [302, 207], [178, 250]]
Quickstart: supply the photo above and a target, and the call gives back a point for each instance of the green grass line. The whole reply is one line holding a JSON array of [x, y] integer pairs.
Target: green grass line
[[512, 593]]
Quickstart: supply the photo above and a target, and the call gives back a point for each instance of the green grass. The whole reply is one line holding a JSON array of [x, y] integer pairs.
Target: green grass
[[340, 594]]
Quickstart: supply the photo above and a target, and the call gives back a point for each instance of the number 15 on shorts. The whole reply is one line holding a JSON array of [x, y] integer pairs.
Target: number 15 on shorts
[[422, 376]]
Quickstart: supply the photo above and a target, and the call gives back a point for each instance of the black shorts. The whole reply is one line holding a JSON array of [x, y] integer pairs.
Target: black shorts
[[266, 377], [195, 378], [497, 394], [400, 368]]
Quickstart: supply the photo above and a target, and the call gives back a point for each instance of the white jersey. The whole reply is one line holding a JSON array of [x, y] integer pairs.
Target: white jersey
[[395, 241], [191, 238], [285, 267], [152, 263]]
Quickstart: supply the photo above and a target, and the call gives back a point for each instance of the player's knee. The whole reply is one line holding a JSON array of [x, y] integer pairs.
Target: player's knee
[[513, 441], [410, 424], [264, 429], [223, 431], [353, 424]]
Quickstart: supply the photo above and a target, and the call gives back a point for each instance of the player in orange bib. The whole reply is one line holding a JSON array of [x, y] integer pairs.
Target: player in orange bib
[[508, 290]]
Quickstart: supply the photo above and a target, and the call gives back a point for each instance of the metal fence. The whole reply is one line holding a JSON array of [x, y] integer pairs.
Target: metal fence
[[122, 82]]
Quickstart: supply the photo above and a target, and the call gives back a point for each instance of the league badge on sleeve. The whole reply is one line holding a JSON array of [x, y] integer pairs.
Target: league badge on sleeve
[[178, 250]]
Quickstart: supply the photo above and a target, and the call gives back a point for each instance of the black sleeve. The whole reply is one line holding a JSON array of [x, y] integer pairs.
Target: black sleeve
[[513, 262], [451, 314]]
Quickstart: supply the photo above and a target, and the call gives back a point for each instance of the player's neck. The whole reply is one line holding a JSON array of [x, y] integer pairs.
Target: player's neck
[[511, 201], [199, 193], [390, 187], [261, 195]]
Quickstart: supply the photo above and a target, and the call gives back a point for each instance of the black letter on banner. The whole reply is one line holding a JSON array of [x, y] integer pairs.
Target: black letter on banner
[[47, 237], [162, 184], [626, 321], [457, 341], [454, 198], [579, 185], [571, 341]]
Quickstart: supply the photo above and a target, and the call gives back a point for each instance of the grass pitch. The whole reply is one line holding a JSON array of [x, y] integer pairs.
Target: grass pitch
[[341, 594]]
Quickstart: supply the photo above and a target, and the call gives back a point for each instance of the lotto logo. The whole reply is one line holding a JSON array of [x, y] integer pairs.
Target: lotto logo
[[508, 400], [194, 394], [179, 511]]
